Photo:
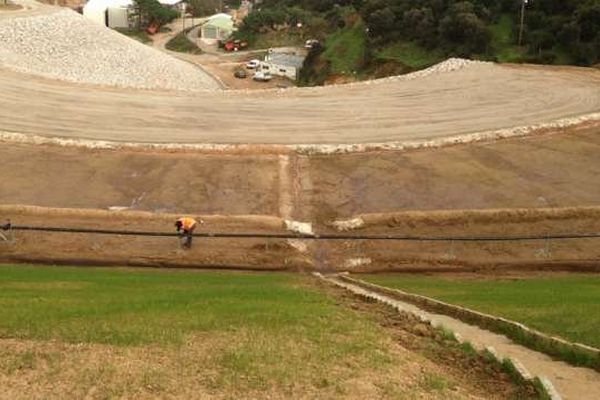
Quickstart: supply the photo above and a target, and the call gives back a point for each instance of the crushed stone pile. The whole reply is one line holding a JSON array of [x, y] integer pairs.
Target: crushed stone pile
[[66, 46]]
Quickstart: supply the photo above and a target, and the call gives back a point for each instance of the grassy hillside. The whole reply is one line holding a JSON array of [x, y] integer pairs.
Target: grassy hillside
[[398, 36], [555, 305], [346, 50], [410, 54], [502, 40]]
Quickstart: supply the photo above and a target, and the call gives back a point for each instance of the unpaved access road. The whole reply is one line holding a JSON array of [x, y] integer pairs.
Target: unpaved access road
[[478, 97]]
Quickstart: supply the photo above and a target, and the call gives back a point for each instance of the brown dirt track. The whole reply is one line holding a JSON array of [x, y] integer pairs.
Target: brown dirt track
[[476, 98]]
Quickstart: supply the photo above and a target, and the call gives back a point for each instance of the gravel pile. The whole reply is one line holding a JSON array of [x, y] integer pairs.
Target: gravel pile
[[64, 45], [450, 65]]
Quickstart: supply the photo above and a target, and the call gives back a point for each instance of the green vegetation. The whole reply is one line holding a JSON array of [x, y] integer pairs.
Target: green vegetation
[[487, 29], [202, 8], [129, 307], [182, 44], [502, 40], [276, 326], [277, 39], [138, 35], [417, 33], [345, 50], [282, 25], [409, 53], [149, 12], [567, 306], [173, 333], [433, 382]]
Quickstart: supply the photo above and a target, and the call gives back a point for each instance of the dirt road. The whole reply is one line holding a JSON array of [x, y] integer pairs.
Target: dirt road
[[476, 98], [218, 64]]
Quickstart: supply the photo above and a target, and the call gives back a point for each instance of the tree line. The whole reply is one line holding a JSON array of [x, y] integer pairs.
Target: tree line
[[455, 27], [463, 27]]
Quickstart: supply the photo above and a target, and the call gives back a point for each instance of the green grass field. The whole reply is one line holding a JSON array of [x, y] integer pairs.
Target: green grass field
[[133, 307], [68, 332], [567, 306], [260, 330]]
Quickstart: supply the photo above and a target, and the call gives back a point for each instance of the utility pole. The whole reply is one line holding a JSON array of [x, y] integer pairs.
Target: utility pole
[[521, 26], [183, 7]]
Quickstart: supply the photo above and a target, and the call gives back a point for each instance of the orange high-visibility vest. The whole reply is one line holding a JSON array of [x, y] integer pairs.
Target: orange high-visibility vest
[[187, 223]]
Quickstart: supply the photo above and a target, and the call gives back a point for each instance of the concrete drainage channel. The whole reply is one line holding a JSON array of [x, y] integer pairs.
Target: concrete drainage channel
[[558, 379]]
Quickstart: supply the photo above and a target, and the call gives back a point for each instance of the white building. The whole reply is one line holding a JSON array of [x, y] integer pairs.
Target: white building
[[282, 64], [217, 27], [115, 13]]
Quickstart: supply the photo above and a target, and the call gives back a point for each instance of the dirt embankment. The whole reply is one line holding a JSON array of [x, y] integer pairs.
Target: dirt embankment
[[397, 193], [89, 249], [557, 169], [51, 176], [427, 255], [306, 254]]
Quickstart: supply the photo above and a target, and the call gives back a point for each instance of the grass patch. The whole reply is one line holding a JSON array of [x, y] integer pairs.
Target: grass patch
[[434, 383], [281, 38], [261, 330], [411, 54], [140, 36], [503, 42], [560, 306], [346, 50], [182, 44], [566, 306]]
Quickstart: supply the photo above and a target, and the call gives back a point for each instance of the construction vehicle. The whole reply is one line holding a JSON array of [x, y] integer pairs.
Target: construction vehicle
[[234, 45]]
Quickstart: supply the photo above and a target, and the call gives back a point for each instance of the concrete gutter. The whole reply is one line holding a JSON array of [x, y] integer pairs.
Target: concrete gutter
[[548, 375]]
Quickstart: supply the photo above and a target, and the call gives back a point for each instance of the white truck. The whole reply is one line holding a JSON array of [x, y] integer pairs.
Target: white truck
[[262, 76]]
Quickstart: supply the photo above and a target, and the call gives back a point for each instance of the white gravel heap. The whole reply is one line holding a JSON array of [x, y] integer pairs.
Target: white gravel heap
[[65, 45], [449, 65]]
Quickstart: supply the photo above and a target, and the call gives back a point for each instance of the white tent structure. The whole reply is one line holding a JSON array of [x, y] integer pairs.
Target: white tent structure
[[111, 13], [115, 13], [217, 27]]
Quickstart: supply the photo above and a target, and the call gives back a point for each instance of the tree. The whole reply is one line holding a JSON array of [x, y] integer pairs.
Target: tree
[[201, 8], [151, 11], [381, 22], [464, 31], [419, 24], [588, 18]]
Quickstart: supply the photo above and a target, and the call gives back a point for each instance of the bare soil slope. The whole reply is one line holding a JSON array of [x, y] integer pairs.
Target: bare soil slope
[[539, 171], [555, 170]]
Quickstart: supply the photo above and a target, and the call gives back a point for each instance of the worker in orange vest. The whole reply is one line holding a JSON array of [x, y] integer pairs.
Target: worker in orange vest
[[185, 226]]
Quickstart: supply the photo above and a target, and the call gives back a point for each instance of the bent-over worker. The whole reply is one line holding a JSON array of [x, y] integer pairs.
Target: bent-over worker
[[186, 226]]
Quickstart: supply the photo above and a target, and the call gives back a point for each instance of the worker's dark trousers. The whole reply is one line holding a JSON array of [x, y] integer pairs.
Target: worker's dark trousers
[[186, 240]]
